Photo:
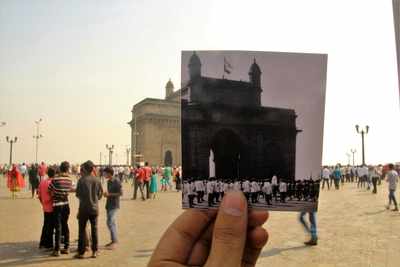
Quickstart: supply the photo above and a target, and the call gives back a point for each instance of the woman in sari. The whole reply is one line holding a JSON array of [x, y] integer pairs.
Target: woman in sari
[[15, 181]]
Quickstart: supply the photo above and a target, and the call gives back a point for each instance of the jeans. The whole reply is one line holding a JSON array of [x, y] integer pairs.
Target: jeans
[[111, 224], [47, 236], [82, 220], [325, 181], [138, 185], [313, 223], [61, 215], [392, 197], [146, 187]]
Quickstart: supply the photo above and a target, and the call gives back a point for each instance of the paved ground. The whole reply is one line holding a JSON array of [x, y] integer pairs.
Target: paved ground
[[354, 229]]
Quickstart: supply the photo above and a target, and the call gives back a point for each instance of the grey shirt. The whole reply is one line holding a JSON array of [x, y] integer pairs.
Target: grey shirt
[[392, 179], [89, 191]]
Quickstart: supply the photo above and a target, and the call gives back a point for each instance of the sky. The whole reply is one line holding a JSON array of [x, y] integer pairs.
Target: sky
[[82, 65]]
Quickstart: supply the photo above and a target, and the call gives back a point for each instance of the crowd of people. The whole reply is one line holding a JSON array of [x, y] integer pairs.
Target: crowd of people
[[255, 190]]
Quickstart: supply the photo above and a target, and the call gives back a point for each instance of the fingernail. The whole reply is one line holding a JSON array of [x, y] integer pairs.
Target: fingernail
[[233, 204]]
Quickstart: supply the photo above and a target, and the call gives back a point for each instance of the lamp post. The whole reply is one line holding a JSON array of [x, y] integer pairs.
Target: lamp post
[[37, 137], [128, 150], [353, 151], [363, 132], [110, 152], [11, 141]]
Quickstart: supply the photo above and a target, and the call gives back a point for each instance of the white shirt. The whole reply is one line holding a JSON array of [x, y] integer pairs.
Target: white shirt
[[237, 186], [325, 173], [199, 185], [274, 180], [246, 186], [254, 187], [267, 188], [210, 187], [282, 187]]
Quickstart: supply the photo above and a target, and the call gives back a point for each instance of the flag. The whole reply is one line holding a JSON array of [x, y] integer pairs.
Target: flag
[[227, 66]]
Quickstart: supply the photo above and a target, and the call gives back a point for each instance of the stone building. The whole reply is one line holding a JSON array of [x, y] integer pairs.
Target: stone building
[[227, 133], [155, 129]]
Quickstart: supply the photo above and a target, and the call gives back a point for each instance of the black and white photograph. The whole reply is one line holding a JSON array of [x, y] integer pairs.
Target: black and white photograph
[[252, 121]]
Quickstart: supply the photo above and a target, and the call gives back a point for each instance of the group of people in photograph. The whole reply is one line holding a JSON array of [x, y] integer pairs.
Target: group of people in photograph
[[255, 190]]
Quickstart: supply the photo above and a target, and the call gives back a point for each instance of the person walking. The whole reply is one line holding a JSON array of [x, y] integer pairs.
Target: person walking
[[59, 189], [89, 191], [147, 178], [392, 178], [33, 178], [312, 228], [113, 194], [374, 177], [138, 182], [325, 177], [15, 181], [337, 176]]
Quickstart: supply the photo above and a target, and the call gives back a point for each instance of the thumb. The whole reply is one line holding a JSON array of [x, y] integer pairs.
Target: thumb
[[230, 229]]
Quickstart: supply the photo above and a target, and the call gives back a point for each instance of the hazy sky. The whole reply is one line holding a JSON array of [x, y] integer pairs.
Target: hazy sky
[[81, 65]]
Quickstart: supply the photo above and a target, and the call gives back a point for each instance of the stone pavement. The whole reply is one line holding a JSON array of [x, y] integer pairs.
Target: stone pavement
[[354, 230]]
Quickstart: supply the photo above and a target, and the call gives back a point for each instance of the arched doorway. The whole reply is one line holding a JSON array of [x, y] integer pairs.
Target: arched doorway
[[227, 148], [168, 158]]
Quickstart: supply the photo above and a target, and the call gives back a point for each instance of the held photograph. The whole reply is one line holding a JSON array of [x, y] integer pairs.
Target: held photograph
[[252, 121]]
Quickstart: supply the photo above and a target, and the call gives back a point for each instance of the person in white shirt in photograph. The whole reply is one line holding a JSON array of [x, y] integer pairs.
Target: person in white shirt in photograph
[[254, 191], [246, 189], [267, 190], [325, 177], [199, 185], [282, 191], [275, 187], [210, 192]]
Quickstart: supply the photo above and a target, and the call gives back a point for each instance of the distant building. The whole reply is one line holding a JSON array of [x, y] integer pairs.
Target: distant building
[[227, 133], [155, 129]]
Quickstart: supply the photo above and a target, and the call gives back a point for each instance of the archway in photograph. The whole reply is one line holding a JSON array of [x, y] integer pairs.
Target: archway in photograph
[[227, 147], [168, 158]]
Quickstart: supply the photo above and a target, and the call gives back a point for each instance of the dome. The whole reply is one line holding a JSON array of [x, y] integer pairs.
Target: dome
[[169, 85], [254, 68], [194, 60]]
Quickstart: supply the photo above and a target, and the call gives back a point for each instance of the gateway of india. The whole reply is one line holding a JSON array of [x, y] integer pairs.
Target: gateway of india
[[155, 130]]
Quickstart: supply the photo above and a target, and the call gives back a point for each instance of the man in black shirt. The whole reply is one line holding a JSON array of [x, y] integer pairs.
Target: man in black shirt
[[89, 191], [114, 191]]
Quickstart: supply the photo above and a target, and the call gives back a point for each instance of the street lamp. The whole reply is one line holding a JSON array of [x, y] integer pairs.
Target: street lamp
[[353, 151], [37, 137], [362, 132], [110, 152], [11, 141]]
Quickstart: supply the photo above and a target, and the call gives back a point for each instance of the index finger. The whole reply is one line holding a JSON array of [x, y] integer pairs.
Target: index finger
[[178, 240]]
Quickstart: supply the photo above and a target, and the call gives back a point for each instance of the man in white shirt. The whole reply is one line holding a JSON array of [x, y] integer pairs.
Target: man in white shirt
[[199, 186], [325, 177], [210, 192], [246, 189], [392, 177], [275, 187], [267, 190], [282, 191], [254, 191], [192, 194]]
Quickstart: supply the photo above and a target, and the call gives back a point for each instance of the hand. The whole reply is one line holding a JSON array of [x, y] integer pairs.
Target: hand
[[231, 236]]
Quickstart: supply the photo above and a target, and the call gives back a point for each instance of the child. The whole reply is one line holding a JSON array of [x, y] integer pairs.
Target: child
[[153, 184]]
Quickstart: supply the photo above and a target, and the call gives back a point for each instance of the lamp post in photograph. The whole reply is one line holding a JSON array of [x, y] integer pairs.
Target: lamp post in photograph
[[362, 132], [11, 141]]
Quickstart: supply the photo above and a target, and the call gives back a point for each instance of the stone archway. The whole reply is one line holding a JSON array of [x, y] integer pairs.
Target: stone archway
[[168, 159], [226, 146]]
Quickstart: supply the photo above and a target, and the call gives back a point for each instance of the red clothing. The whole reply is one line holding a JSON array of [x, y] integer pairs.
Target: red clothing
[[15, 181], [42, 170], [44, 195], [147, 172], [140, 175]]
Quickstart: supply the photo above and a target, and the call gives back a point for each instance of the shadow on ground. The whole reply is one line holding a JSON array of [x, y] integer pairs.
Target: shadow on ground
[[276, 251], [25, 253]]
